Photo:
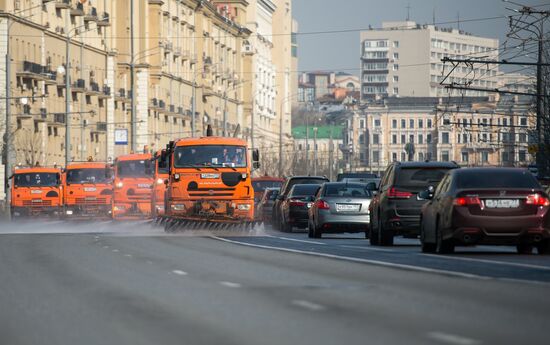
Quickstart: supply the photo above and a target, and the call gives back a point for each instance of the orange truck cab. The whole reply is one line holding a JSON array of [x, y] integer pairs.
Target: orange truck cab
[[36, 192], [210, 180], [88, 190], [133, 186], [159, 189]]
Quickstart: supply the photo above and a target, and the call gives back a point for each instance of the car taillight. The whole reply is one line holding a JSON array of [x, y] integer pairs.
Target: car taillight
[[394, 193], [323, 205], [537, 200], [467, 201], [296, 202]]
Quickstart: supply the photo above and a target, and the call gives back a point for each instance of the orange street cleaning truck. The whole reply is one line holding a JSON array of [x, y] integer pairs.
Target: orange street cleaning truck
[[160, 162], [210, 184], [133, 186], [36, 192], [88, 190]]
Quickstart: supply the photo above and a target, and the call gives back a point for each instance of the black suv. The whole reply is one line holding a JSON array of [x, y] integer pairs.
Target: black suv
[[285, 189], [395, 209]]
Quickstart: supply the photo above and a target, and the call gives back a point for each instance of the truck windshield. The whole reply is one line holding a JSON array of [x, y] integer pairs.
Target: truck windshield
[[79, 176], [137, 168], [210, 156], [36, 180]]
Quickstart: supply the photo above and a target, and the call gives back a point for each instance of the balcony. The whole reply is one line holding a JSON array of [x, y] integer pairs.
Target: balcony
[[94, 89], [181, 111], [154, 103], [59, 118], [50, 76], [79, 85], [172, 108], [104, 20], [62, 4], [101, 126], [43, 117], [78, 10], [162, 105], [105, 92], [32, 70], [91, 16], [177, 51], [168, 47]]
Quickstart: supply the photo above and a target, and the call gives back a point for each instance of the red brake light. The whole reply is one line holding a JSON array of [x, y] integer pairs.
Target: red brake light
[[537, 200], [467, 201], [394, 193], [296, 202], [323, 205]]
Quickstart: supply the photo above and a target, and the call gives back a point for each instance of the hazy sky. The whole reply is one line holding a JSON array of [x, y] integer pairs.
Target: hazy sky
[[340, 51]]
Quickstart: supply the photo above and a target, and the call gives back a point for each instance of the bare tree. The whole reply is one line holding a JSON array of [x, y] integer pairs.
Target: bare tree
[[30, 144]]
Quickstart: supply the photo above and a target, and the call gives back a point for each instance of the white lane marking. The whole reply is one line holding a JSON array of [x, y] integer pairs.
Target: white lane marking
[[452, 338], [296, 240], [180, 273], [115, 250], [231, 285], [128, 255], [516, 264], [385, 264], [369, 248], [308, 305]]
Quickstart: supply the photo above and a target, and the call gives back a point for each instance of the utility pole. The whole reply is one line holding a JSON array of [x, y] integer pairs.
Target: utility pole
[[132, 80], [542, 155], [330, 154], [67, 93], [7, 135], [307, 140], [315, 151]]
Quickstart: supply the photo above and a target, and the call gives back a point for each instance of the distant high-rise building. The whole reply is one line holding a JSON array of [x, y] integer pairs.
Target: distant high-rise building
[[403, 59]]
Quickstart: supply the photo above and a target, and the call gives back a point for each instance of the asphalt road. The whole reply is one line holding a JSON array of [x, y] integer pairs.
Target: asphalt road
[[128, 283]]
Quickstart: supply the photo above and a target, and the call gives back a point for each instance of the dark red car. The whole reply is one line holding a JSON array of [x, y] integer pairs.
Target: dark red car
[[489, 206]]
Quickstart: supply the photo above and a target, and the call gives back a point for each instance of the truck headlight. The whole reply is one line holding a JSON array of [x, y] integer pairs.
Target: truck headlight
[[160, 181], [243, 207], [178, 207], [119, 184]]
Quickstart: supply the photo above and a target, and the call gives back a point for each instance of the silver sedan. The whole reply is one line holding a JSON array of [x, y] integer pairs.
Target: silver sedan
[[340, 207]]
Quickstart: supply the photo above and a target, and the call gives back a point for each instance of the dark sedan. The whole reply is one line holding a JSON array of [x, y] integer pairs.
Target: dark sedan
[[340, 207], [265, 206], [490, 206], [295, 208]]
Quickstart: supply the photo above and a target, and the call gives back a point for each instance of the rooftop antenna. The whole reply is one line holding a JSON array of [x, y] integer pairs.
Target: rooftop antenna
[[433, 17], [408, 11], [458, 20]]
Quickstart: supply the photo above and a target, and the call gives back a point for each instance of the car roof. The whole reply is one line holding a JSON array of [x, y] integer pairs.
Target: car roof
[[488, 170], [449, 165], [308, 177]]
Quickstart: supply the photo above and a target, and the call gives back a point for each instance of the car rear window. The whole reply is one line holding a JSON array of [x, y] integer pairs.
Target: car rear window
[[316, 181], [496, 179], [304, 190], [347, 191], [419, 176]]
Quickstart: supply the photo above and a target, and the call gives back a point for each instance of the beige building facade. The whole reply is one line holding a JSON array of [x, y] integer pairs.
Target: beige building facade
[[188, 58], [403, 59]]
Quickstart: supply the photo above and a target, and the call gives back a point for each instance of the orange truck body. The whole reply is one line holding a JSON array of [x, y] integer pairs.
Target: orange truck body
[[36, 192], [210, 180], [133, 187], [159, 188], [88, 191]]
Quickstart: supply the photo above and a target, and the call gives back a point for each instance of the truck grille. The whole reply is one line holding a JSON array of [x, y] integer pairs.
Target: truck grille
[[37, 203], [91, 201]]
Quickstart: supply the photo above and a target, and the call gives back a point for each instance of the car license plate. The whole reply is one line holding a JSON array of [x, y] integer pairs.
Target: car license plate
[[502, 203], [348, 207], [90, 189], [141, 185]]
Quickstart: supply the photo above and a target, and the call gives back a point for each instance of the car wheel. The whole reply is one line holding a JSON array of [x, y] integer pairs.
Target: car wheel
[[425, 246], [443, 246], [543, 248], [385, 236], [373, 234], [524, 248]]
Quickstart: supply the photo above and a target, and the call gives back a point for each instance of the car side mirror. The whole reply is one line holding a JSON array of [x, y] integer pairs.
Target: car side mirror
[[426, 194]]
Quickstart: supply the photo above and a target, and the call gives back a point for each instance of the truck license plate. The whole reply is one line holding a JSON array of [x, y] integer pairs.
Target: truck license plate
[[90, 189]]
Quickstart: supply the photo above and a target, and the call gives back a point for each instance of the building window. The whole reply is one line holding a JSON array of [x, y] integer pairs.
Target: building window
[[396, 56], [395, 78], [403, 139], [362, 124], [375, 139], [394, 139], [55, 133], [428, 139], [411, 123], [505, 157], [522, 138], [394, 124], [396, 44], [465, 157], [49, 131], [522, 156], [429, 123], [420, 139], [377, 123], [445, 156], [484, 157], [396, 67], [395, 91], [403, 123], [376, 156], [36, 127], [420, 156], [403, 157], [411, 138], [445, 137], [420, 123], [394, 156]]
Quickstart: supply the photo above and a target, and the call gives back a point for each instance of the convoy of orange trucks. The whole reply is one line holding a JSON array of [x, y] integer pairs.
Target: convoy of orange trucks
[[204, 181]]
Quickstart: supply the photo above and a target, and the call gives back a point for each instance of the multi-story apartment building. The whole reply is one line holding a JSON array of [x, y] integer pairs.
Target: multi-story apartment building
[[403, 59], [470, 131], [139, 72]]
